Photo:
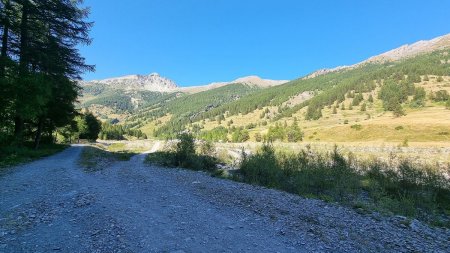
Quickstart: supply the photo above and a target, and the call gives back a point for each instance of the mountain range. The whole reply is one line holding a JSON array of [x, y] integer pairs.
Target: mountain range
[[412, 80], [155, 82]]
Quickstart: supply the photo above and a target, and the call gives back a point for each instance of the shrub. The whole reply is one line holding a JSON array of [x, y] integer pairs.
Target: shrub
[[363, 107], [419, 98], [358, 99], [207, 148], [184, 155], [403, 188], [262, 168], [356, 127], [441, 95], [216, 134], [240, 135], [258, 137], [405, 143]]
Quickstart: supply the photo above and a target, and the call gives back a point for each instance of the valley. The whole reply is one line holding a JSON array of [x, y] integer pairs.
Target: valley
[[224, 126], [323, 104]]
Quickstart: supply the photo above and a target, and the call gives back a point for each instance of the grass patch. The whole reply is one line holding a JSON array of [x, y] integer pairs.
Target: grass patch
[[10, 156], [94, 158], [356, 127], [398, 186]]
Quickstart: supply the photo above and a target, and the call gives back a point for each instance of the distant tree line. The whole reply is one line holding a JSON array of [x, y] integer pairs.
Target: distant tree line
[[284, 132], [278, 132], [118, 132]]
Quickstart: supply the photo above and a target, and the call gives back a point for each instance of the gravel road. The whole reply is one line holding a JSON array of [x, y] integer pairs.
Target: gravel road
[[53, 205]]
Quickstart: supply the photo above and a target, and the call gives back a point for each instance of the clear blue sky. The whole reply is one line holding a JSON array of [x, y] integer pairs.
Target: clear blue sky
[[200, 41]]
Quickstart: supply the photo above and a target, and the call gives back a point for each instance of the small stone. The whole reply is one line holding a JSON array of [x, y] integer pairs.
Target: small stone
[[415, 225]]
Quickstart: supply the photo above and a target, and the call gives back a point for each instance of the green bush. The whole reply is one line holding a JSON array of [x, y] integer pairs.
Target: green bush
[[302, 173], [406, 188], [440, 95], [184, 155], [240, 135], [262, 168], [185, 148]]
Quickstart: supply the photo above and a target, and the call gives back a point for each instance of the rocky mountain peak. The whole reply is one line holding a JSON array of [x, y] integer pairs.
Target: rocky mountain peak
[[151, 82]]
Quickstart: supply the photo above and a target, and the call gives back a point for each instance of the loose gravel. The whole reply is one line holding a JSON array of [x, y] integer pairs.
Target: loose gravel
[[53, 205]]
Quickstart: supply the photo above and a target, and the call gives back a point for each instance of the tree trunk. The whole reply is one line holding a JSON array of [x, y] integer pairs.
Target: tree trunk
[[23, 65], [23, 61], [38, 136], [18, 130], [4, 51]]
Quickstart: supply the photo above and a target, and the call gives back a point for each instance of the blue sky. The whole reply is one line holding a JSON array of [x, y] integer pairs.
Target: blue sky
[[200, 41]]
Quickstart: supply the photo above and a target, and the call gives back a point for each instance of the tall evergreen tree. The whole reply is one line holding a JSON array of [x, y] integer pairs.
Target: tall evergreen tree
[[42, 35]]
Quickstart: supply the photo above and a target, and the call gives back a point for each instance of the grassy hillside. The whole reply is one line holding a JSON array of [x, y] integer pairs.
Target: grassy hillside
[[348, 105], [186, 107], [334, 86], [403, 101], [109, 103], [428, 123]]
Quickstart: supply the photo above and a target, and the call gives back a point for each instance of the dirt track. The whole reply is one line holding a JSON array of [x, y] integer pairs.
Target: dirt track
[[53, 205]]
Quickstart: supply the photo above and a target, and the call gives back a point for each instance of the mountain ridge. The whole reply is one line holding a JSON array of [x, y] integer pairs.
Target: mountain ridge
[[251, 80], [396, 54], [155, 82], [151, 82]]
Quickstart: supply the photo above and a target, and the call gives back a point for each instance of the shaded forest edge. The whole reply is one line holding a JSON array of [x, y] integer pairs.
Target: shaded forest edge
[[10, 156], [40, 65]]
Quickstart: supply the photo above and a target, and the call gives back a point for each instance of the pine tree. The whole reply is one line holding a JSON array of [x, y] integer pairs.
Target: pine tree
[[45, 35], [363, 107], [334, 110]]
